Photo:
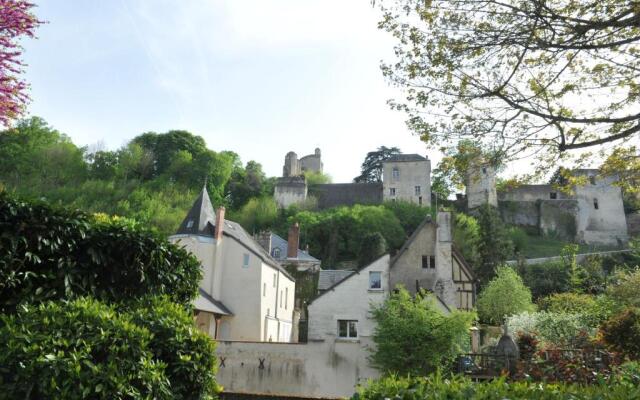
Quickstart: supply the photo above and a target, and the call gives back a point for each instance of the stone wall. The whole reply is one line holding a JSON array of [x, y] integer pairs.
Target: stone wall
[[346, 194], [290, 190], [633, 224], [525, 214], [311, 370], [558, 218]]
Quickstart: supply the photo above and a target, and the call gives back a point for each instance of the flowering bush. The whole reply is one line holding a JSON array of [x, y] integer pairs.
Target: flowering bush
[[557, 329]]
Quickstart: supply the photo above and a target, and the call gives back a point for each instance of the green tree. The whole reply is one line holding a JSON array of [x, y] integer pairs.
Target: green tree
[[410, 215], [622, 332], [494, 246], [466, 237], [413, 336], [546, 278], [372, 246], [503, 296], [316, 178], [626, 290], [371, 169], [505, 74], [258, 214]]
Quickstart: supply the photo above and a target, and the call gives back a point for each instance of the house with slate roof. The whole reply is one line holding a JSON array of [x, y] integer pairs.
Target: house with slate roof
[[287, 252], [245, 294]]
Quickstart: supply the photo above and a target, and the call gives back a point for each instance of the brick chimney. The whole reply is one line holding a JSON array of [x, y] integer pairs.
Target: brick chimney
[[294, 240], [219, 224]]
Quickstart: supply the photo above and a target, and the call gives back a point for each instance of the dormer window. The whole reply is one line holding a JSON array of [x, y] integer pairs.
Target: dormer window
[[190, 224], [275, 252]]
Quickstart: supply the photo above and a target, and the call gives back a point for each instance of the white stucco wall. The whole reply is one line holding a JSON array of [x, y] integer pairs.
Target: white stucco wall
[[351, 299], [412, 174], [607, 224], [310, 370]]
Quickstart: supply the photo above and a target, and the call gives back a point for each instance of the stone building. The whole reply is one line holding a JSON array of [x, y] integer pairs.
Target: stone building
[[244, 294], [406, 177], [590, 213], [480, 183]]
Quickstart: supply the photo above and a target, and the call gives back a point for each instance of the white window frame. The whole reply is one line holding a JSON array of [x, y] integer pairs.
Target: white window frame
[[395, 173], [371, 274], [349, 325]]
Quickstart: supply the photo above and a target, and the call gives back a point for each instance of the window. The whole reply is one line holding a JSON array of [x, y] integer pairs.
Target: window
[[553, 195], [268, 312], [420, 200], [595, 204], [274, 280], [428, 262], [592, 179], [375, 280], [347, 328], [276, 252], [484, 170], [190, 224], [281, 299], [264, 289], [417, 190], [392, 191], [245, 260], [286, 297], [396, 173]]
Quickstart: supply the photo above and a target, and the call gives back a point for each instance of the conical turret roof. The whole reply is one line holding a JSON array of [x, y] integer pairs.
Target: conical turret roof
[[201, 217]]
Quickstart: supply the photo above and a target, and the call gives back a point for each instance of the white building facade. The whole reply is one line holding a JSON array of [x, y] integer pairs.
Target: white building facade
[[407, 177], [245, 295]]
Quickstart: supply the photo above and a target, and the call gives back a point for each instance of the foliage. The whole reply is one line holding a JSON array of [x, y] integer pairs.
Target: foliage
[[629, 373], [567, 303], [59, 254], [188, 354], [462, 388], [589, 276], [503, 296], [77, 350], [17, 22], [336, 234], [477, 70], [372, 246], [553, 329], [410, 215], [626, 290], [413, 336], [257, 214], [622, 333], [494, 246], [545, 278], [316, 178], [527, 345], [519, 238], [466, 236], [371, 169], [153, 351]]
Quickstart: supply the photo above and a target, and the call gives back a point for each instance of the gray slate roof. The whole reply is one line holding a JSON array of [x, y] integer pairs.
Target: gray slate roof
[[204, 302], [278, 242], [330, 277], [203, 218], [405, 158]]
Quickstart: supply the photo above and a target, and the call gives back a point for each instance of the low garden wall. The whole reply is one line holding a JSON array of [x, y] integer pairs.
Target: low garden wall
[[327, 370]]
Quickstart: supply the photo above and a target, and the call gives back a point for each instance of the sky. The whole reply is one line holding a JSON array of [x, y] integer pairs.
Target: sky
[[256, 77]]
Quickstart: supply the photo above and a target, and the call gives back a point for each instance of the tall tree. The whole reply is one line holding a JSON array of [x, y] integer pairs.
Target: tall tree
[[371, 170], [494, 245], [16, 22], [521, 76]]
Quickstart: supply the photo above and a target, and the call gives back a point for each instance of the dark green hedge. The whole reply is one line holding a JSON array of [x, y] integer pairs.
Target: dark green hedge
[[460, 388], [48, 254]]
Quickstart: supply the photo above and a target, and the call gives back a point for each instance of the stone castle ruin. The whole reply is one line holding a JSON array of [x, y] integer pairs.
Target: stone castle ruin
[[592, 213], [406, 177]]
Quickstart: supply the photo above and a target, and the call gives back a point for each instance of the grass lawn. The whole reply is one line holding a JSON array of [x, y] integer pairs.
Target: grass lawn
[[542, 246]]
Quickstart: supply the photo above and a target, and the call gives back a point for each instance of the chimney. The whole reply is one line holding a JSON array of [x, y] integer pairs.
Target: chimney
[[219, 224], [264, 239], [294, 239]]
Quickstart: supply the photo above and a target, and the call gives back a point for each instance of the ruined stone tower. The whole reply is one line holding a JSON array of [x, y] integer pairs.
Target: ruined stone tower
[[481, 185]]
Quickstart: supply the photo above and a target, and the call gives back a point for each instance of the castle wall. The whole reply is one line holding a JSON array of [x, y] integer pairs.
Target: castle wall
[[530, 193], [412, 175], [290, 190], [525, 214], [481, 187], [558, 218], [312, 162], [346, 194]]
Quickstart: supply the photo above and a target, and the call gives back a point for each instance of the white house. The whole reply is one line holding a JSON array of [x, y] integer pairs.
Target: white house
[[245, 294]]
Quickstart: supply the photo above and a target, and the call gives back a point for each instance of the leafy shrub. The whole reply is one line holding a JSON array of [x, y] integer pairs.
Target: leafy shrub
[[82, 349], [495, 246], [629, 373], [372, 246], [546, 278], [462, 388], [527, 345], [553, 329], [626, 290], [189, 355], [414, 336], [622, 333], [466, 236], [567, 303], [504, 296], [410, 215], [53, 254], [519, 238]]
